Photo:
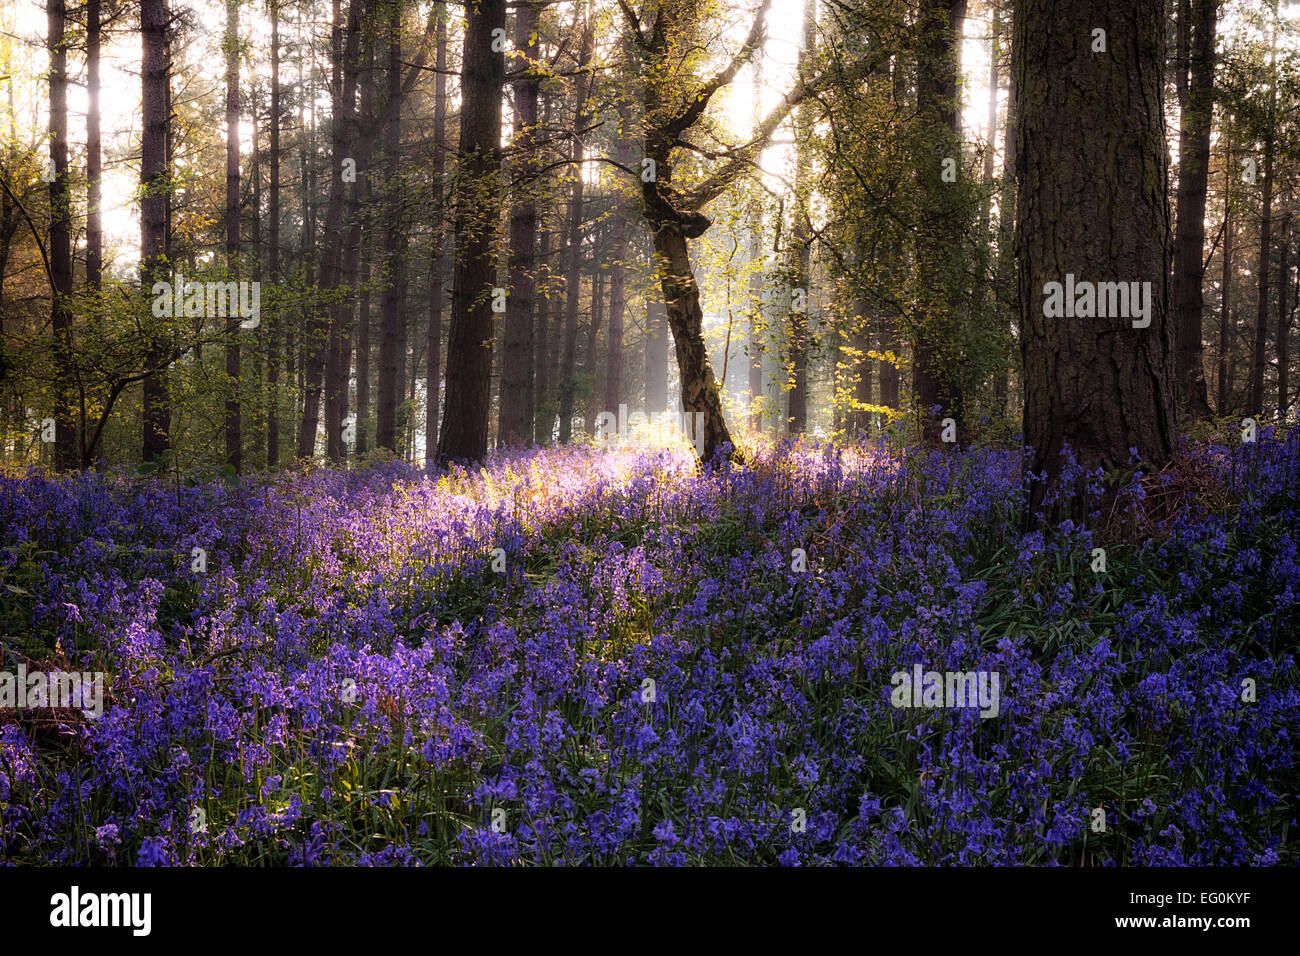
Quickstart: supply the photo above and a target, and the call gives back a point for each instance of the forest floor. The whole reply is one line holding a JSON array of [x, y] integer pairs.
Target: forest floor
[[613, 657]]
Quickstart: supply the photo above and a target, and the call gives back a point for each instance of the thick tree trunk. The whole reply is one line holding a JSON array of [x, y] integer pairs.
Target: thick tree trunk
[[464, 435], [514, 426], [1098, 385], [1197, 18], [154, 186], [234, 425]]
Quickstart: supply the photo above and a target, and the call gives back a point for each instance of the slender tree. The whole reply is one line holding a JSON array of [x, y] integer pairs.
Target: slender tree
[[464, 435], [60, 246], [433, 350], [273, 214], [514, 426], [1196, 30], [234, 440], [1258, 356], [154, 186]]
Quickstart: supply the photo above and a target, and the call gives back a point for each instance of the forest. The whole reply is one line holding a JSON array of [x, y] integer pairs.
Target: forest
[[649, 432]]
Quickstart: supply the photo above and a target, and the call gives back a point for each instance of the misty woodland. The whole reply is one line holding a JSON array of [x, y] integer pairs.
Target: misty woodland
[[649, 432]]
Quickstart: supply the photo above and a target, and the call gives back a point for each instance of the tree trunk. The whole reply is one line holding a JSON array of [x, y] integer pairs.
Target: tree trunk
[[1283, 318], [860, 420], [154, 186], [338, 367], [1006, 239], [573, 281], [682, 302], [590, 362], [392, 343], [345, 42], [514, 426], [1099, 385], [273, 318], [542, 344], [939, 336], [433, 350], [66, 432], [1197, 18], [755, 348], [233, 429], [801, 240], [363, 359], [1258, 355], [617, 280], [464, 435], [94, 153], [656, 354], [1225, 286]]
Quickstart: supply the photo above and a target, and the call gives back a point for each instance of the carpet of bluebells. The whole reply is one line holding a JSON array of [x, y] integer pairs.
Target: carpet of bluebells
[[358, 677]]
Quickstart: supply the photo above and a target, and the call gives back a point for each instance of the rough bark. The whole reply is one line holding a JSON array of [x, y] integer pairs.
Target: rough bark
[[1093, 202]]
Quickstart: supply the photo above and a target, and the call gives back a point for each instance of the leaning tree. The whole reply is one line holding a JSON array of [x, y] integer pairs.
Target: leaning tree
[[675, 97]]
